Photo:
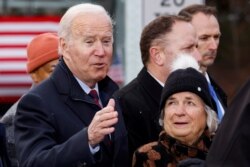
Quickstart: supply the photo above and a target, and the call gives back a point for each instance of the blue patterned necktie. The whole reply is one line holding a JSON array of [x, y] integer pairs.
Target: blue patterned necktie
[[213, 94]]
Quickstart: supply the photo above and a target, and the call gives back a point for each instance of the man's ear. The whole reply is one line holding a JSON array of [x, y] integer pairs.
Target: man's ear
[[63, 45], [156, 55]]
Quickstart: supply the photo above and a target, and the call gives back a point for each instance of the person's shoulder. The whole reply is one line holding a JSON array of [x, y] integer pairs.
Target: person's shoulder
[[109, 84], [147, 152], [44, 88], [8, 117], [37, 94], [128, 88], [244, 89]]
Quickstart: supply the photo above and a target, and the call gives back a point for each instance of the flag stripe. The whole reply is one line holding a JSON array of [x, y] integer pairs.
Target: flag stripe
[[13, 52], [9, 91], [9, 99], [15, 78], [28, 27], [13, 59], [7, 46], [14, 85], [12, 65], [13, 72], [20, 33], [15, 34], [30, 19], [15, 39]]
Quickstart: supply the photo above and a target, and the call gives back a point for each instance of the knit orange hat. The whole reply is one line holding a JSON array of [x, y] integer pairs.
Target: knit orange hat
[[42, 49]]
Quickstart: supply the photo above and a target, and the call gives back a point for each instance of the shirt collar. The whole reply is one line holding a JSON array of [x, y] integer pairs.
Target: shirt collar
[[162, 84], [85, 87], [207, 77]]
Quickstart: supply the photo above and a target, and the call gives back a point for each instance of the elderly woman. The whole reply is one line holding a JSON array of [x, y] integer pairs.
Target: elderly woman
[[188, 119]]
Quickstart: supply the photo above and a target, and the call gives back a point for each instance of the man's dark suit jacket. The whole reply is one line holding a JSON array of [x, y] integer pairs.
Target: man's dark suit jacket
[[231, 145], [140, 102], [220, 93], [52, 120]]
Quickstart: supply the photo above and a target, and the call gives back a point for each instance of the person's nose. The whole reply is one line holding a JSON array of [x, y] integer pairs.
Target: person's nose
[[213, 44], [99, 50], [180, 110]]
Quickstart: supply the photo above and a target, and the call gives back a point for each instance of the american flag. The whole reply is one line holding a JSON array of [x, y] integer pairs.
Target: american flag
[[15, 34], [116, 70]]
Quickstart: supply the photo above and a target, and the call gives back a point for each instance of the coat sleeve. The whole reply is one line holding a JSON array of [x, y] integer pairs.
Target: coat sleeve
[[37, 143], [121, 156]]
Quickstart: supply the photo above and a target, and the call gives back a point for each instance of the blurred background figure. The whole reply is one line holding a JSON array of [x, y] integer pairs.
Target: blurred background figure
[[42, 57], [208, 31], [231, 145], [188, 120], [4, 159]]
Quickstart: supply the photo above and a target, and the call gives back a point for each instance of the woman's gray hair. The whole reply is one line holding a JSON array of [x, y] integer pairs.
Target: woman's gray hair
[[64, 29], [212, 120]]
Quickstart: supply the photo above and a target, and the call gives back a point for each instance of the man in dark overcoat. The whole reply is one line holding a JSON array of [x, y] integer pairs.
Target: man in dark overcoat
[[70, 120], [231, 145]]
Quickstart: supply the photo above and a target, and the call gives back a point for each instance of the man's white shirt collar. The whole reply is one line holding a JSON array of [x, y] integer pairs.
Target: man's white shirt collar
[[162, 84], [85, 87]]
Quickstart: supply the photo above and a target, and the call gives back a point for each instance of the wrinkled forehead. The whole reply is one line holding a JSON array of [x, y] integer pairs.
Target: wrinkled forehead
[[182, 32], [201, 21], [91, 23], [184, 95]]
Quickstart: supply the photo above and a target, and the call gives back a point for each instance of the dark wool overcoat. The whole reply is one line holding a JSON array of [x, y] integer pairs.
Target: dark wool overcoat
[[139, 102], [231, 144], [52, 121]]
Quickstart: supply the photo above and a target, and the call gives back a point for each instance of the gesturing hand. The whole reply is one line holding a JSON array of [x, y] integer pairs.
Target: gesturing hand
[[102, 123]]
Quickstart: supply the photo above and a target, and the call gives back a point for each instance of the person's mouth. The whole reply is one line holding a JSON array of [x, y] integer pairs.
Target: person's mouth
[[99, 65], [180, 124]]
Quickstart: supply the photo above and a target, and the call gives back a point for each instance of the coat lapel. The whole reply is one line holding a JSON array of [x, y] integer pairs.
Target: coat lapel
[[150, 86], [79, 101], [76, 99], [72, 94]]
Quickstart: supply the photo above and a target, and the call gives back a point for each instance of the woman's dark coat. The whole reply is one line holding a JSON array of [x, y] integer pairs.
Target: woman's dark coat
[[169, 151]]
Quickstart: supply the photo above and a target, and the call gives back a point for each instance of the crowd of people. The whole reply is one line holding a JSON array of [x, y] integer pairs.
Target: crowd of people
[[172, 114]]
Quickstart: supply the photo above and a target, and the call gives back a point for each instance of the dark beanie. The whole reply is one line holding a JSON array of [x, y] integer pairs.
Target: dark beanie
[[186, 80]]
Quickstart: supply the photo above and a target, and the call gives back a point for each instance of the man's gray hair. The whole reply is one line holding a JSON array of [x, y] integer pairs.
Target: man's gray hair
[[64, 29]]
